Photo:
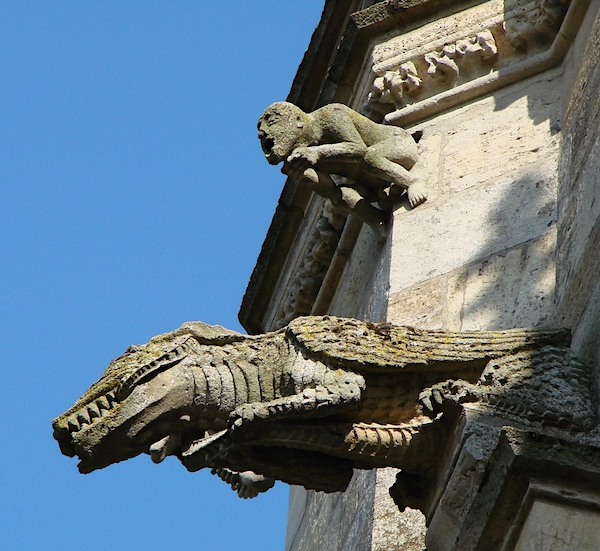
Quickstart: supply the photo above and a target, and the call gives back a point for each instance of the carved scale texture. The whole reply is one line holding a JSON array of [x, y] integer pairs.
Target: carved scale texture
[[357, 344], [231, 376], [549, 385]]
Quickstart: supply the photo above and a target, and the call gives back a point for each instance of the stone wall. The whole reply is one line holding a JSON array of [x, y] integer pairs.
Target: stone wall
[[480, 254], [506, 112], [578, 259]]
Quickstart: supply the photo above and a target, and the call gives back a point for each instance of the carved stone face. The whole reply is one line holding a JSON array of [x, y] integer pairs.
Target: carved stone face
[[101, 436], [279, 131], [143, 399]]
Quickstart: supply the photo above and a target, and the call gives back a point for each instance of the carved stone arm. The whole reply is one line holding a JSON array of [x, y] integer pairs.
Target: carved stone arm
[[330, 155]]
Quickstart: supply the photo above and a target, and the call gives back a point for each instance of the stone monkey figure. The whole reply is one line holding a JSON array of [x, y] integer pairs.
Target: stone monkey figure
[[374, 158]]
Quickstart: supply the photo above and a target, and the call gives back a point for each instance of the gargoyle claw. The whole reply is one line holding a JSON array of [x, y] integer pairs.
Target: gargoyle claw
[[417, 194], [442, 396], [247, 414], [247, 484], [431, 399]]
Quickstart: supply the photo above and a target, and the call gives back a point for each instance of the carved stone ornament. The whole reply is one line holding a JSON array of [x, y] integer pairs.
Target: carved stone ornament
[[373, 160], [309, 403], [461, 56], [313, 265]]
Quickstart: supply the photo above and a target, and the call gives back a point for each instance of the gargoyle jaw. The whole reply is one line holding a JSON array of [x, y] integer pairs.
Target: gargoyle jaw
[[67, 425], [107, 430]]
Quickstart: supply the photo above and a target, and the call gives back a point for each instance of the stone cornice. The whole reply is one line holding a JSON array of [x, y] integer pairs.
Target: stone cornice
[[505, 49]]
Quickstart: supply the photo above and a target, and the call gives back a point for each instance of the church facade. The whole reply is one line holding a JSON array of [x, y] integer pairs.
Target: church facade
[[501, 99]]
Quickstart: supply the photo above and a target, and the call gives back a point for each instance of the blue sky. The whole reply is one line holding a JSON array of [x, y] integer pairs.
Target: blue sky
[[134, 198]]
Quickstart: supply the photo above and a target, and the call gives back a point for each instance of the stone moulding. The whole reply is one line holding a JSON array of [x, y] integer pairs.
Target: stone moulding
[[496, 52], [498, 474], [310, 274]]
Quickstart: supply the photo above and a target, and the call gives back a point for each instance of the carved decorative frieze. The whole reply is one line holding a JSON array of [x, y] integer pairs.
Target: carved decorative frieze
[[412, 79], [537, 21], [309, 276], [477, 43]]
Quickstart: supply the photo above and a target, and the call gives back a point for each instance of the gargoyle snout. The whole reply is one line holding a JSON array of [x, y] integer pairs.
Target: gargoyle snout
[[70, 423]]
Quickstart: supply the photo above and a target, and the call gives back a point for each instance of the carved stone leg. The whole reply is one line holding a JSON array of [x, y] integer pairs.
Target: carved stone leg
[[297, 405], [313, 470], [368, 445], [345, 198], [384, 162], [355, 204]]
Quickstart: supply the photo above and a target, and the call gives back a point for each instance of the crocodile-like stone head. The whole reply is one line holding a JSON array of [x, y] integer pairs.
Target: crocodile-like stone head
[[142, 402]]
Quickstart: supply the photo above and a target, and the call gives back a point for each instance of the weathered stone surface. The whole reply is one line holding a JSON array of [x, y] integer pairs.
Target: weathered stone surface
[[508, 135], [498, 189], [363, 517], [470, 226], [305, 274], [579, 224], [366, 268], [422, 305], [335, 140], [499, 281], [394, 530], [323, 396], [586, 337], [333, 522], [474, 448], [512, 288], [496, 476], [555, 526]]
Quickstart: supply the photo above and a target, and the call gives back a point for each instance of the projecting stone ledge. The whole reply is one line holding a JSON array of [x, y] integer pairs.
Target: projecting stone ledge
[[311, 402]]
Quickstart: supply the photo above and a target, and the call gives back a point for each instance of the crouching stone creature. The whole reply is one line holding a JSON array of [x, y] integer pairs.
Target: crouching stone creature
[[311, 402], [374, 159]]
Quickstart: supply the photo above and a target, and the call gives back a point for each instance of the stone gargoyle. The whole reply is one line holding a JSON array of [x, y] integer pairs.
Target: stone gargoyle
[[309, 403], [374, 159]]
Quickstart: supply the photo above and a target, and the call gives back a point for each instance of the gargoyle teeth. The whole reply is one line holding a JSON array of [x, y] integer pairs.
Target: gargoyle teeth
[[73, 424], [83, 417], [94, 410], [110, 396], [103, 403]]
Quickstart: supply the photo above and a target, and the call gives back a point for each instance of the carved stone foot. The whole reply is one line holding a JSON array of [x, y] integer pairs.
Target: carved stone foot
[[247, 484], [417, 194]]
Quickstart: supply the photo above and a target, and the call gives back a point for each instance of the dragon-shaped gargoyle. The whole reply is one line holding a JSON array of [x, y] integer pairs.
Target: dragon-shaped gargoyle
[[310, 402]]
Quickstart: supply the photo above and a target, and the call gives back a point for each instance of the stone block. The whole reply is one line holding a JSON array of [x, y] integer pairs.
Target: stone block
[[333, 522], [496, 138], [514, 288], [364, 279], [436, 239], [421, 305], [555, 526], [393, 530]]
